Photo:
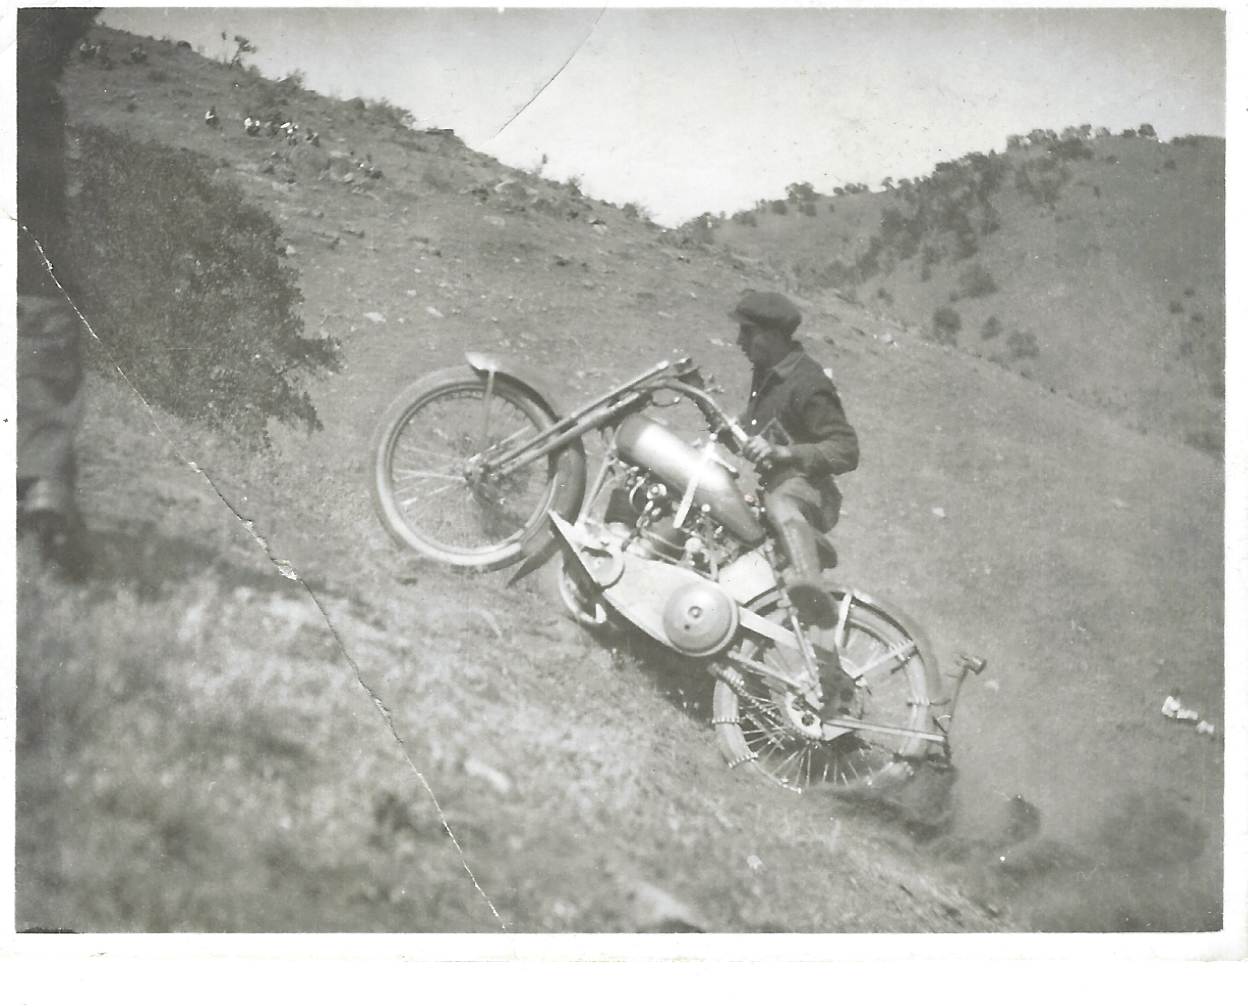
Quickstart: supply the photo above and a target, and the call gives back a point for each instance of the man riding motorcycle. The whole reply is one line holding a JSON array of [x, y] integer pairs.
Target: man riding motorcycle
[[800, 439]]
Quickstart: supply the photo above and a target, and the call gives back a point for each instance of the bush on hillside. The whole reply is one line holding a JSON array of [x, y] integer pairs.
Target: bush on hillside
[[945, 325], [799, 192], [976, 281], [1071, 149], [746, 217], [392, 115], [1042, 179], [991, 328], [1022, 344], [185, 285]]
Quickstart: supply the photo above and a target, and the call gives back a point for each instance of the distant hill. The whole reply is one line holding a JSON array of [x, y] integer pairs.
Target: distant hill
[[1092, 265]]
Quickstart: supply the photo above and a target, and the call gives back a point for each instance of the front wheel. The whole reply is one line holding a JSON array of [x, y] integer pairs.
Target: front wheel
[[433, 494], [890, 680]]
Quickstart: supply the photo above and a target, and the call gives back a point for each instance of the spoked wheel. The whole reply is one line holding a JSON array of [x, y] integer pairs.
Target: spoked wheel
[[890, 679], [433, 484]]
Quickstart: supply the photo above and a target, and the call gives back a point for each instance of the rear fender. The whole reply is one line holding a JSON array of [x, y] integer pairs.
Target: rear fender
[[527, 378]]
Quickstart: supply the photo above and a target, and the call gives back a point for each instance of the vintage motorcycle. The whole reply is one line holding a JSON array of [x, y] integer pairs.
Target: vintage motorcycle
[[477, 466]]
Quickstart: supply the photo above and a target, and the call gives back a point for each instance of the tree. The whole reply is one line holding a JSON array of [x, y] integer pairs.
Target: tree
[[1146, 130], [799, 192], [244, 46]]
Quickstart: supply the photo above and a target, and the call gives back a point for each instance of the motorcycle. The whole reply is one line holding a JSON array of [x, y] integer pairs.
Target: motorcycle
[[478, 467]]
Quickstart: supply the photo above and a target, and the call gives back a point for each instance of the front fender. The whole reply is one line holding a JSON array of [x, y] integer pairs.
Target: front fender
[[485, 363]]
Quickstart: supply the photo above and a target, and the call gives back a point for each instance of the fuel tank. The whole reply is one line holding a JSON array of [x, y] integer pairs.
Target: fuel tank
[[640, 441]]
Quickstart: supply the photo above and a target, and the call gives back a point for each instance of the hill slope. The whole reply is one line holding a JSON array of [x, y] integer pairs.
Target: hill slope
[[1099, 263], [247, 734]]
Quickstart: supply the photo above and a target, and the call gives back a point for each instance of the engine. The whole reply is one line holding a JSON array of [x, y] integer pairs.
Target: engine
[[674, 465]]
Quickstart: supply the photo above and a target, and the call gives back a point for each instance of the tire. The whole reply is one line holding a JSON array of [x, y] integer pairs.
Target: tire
[[419, 486], [754, 734]]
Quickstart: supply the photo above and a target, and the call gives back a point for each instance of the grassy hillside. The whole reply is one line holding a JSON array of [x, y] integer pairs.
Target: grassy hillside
[[1095, 269], [213, 739]]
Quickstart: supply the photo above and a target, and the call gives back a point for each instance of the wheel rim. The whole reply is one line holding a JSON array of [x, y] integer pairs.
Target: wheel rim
[[438, 496], [767, 723]]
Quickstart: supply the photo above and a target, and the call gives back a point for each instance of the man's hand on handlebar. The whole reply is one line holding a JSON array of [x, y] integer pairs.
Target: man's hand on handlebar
[[762, 452]]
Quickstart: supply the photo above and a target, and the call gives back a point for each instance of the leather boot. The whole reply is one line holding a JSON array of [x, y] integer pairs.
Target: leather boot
[[804, 578]]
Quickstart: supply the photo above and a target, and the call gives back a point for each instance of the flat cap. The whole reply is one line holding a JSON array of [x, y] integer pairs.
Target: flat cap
[[768, 310]]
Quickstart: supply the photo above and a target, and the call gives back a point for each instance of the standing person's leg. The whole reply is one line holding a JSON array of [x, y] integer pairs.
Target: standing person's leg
[[49, 410]]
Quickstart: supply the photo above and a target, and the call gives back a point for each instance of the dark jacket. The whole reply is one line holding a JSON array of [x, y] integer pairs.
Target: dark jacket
[[798, 395]]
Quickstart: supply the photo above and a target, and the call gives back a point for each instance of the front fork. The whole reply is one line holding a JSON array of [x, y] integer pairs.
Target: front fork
[[811, 684]]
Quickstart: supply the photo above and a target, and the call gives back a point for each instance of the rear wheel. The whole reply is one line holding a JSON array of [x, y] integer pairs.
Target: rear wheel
[[890, 680], [434, 490]]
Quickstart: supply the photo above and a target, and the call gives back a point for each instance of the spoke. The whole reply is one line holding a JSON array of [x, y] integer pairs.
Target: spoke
[[426, 451], [807, 761], [432, 493], [406, 474], [514, 436], [788, 759]]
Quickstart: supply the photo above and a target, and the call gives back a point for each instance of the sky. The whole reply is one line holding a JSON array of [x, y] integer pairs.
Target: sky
[[692, 110]]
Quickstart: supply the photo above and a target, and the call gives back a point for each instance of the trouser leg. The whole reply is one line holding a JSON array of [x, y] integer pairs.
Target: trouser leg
[[49, 403], [804, 579], [49, 410]]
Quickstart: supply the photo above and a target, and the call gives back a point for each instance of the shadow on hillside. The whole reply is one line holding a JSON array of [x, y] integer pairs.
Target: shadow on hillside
[[147, 563]]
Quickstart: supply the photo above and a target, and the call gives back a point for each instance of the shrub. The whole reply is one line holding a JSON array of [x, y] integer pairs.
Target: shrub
[[1042, 179], [799, 192], [1176, 307], [1022, 344], [1071, 149], [185, 285], [1170, 164], [809, 209], [945, 325], [991, 328], [746, 217], [976, 281], [966, 244], [779, 207]]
